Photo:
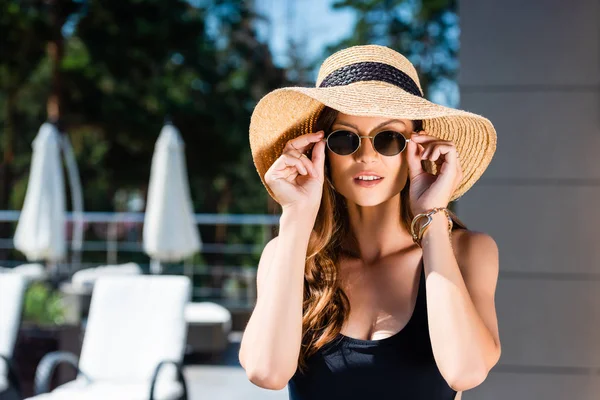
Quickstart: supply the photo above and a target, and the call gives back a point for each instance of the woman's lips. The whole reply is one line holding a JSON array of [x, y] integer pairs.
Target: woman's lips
[[367, 184]]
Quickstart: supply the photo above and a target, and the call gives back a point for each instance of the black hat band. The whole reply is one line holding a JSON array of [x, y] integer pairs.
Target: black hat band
[[371, 71]]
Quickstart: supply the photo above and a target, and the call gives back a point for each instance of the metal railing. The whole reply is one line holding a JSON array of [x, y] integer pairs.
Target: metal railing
[[118, 236]]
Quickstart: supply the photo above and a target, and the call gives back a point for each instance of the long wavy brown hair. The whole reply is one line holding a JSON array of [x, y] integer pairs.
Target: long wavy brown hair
[[325, 305]]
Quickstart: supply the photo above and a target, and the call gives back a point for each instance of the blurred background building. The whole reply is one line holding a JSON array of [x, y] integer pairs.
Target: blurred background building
[[534, 68]]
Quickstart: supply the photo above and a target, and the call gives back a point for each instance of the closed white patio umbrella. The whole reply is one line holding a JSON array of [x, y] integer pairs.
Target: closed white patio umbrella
[[170, 232], [40, 233]]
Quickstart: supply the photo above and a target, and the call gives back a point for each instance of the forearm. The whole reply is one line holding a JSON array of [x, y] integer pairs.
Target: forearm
[[274, 331], [463, 346]]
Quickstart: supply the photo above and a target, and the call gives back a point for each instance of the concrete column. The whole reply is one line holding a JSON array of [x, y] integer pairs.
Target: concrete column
[[533, 68]]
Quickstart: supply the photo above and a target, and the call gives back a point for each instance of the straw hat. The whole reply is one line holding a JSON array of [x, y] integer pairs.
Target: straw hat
[[369, 80]]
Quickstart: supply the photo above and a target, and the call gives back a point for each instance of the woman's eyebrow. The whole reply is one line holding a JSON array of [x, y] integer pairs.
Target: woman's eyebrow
[[347, 124], [387, 123], [377, 127]]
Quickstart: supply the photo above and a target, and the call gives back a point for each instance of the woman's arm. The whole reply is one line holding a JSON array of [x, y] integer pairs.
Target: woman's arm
[[460, 302], [271, 343]]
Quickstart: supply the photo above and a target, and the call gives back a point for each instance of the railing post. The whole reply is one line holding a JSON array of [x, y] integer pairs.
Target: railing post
[[111, 242]]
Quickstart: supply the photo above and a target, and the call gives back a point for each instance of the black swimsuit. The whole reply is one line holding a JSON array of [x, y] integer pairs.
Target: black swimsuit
[[398, 367]]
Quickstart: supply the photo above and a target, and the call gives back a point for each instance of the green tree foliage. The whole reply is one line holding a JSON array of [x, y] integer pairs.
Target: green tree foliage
[[425, 31], [138, 63], [43, 305], [22, 47], [127, 65]]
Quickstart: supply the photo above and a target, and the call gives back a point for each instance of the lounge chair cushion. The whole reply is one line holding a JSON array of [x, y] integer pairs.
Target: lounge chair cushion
[[134, 323], [12, 290], [80, 389], [86, 278]]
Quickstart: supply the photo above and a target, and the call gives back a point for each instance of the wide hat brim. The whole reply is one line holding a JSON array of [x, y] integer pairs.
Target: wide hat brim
[[286, 113]]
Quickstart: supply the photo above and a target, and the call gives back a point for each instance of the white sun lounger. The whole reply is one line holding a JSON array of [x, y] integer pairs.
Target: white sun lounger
[[209, 325], [32, 272], [12, 292], [85, 278], [133, 344]]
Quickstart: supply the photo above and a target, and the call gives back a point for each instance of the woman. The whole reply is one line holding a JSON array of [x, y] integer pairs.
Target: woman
[[372, 287]]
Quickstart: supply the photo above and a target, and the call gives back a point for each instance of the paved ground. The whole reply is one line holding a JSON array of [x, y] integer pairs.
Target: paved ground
[[224, 378], [225, 383]]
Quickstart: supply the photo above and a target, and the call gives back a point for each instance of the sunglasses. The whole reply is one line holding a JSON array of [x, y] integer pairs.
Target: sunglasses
[[388, 143]]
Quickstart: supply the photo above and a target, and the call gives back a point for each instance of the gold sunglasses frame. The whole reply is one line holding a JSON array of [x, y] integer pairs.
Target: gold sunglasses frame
[[367, 137]]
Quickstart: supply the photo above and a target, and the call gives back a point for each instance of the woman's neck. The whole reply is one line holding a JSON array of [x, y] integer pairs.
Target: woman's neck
[[378, 230]]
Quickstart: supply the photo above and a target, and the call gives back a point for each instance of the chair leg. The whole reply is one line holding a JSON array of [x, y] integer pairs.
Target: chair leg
[[180, 378], [10, 394], [14, 387]]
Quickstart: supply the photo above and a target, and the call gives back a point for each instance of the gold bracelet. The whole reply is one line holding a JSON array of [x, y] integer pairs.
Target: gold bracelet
[[417, 237]]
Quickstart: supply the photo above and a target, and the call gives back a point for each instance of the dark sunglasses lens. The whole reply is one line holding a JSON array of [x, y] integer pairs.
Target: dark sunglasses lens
[[343, 142], [389, 143]]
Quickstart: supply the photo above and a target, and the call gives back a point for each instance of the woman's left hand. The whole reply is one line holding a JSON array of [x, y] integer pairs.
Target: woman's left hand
[[427, 190]]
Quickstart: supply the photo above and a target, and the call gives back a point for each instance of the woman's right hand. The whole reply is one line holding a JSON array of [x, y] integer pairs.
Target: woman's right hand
[[295, 180]]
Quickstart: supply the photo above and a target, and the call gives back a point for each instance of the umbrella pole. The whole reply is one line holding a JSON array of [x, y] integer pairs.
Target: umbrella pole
[[187, 267], [52, 267], [77, 203], [155, 267]]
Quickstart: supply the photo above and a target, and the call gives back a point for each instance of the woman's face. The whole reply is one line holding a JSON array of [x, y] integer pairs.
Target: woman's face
[[367, 161]]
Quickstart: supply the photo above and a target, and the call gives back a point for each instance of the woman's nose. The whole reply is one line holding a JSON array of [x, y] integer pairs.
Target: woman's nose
[[366, 152]]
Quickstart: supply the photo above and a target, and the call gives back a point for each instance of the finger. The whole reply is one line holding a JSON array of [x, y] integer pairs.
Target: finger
[[422, 138], [318, 158], [304, 142], [296, 162], [286, 162], [452, 156], [304, 159], [282, 173], [439, 150], [435, 154], [430, 147], [445, 156], [414, 160]]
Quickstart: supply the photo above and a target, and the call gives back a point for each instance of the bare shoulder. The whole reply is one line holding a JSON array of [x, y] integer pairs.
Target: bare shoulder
[[472, 248]]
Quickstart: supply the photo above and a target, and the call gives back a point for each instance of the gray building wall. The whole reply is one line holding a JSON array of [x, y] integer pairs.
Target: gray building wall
[[533, 68]]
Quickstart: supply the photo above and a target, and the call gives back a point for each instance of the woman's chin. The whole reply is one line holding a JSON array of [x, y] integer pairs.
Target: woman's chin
[[370, 199]]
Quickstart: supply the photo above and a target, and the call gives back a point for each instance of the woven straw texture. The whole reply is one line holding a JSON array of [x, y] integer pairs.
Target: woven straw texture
[[286, 113]]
